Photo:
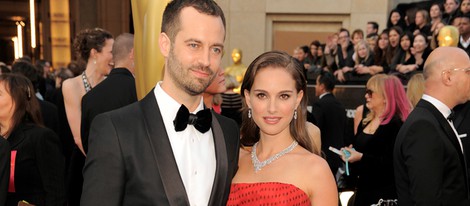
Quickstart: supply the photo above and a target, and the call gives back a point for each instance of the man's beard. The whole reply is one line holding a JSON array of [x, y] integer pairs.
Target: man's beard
[[183, 79]]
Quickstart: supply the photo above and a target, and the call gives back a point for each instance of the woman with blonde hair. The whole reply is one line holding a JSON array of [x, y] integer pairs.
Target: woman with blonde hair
[[372, 155], [363, 60], [415, 88]]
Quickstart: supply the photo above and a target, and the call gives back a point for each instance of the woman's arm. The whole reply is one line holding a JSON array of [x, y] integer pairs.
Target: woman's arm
[[324, 190], [73, 110], [315, 135]]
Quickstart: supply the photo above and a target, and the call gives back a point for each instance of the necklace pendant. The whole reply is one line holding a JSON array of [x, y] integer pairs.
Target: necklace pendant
[[257, 165]]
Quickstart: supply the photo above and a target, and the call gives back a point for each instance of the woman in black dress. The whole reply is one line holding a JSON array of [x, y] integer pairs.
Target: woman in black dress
[[37, 163], [372, 155]]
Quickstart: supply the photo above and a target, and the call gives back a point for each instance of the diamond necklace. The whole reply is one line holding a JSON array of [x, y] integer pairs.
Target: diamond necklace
[[259, 165]]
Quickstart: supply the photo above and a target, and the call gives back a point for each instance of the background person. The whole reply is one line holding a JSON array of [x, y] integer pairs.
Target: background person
[[372, 156], [427, 146], [38, 176], [93, 46]]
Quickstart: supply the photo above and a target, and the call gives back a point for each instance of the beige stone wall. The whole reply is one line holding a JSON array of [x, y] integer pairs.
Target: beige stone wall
[[256, 26]]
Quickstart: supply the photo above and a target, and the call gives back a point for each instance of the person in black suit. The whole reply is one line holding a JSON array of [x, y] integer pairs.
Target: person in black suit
[[462, 122], [4, 168], [330, 117], [116, 91], [146, 153], [35, 150], [464, 31], [429, 163]]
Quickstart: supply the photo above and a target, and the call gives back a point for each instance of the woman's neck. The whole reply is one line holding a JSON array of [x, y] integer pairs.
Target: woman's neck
[[5, 128], [93, 75], [269, 145]]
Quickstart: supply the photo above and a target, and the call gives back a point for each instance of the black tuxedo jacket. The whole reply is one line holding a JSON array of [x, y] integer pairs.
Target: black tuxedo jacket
[[130, 159], [116, 91], [429, 163], [330, 117], [462, 124]]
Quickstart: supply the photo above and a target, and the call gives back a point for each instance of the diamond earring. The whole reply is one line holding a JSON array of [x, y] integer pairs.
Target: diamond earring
[[295, 114], [249, 113]]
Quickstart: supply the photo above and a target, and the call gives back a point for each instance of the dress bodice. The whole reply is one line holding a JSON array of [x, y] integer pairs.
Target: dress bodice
[[267, 193]]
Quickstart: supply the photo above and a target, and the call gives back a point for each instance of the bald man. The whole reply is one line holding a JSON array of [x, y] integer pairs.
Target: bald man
[[116, 91], [428, 157]]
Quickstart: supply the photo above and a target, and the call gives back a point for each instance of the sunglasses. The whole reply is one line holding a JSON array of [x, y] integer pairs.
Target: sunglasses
[[369, 92]]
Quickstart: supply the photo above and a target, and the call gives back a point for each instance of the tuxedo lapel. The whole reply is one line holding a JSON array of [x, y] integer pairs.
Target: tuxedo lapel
[[162, 152], [450, 134], [221, 171]]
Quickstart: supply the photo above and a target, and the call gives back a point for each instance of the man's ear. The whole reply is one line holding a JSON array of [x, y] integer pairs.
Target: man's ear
[[165, 44], [131, 54], [446, 78]]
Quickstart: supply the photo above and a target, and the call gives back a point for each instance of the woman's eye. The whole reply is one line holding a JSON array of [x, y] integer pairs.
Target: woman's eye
[[285, 96]]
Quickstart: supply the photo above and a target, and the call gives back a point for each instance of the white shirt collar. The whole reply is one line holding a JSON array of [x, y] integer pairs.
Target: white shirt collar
[[445, 111], [465, 43], [322, 95], [169, 106]]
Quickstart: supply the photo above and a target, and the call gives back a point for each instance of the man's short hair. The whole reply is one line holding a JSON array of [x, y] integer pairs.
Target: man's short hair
[[122, 46], [315, 42], [344, 30], [328, 79], [374, 25], [171, 21]]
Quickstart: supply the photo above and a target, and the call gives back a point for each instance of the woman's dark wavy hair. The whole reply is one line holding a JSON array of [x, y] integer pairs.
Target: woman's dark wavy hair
[[250, 132], [26, 105], [89, 39]]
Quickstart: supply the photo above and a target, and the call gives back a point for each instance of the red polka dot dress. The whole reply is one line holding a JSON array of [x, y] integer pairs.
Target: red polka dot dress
[[267, 194]]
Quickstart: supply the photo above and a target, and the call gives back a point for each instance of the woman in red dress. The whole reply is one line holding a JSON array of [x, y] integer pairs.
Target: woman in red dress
[[283, 166]]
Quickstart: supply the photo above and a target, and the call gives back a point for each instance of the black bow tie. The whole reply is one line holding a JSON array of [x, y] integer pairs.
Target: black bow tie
[[201, 120], [451, 116]]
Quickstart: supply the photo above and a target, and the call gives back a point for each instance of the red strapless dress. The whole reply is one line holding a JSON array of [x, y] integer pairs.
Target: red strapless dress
[[267, 193]]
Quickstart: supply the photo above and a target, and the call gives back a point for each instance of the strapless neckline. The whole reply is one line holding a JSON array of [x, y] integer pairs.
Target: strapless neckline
[[271, 193]]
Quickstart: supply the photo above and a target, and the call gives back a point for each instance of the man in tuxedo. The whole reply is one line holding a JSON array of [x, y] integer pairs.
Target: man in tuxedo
[[167, 149], [330, 117], [428, 155], [462, 124], [116, 91]]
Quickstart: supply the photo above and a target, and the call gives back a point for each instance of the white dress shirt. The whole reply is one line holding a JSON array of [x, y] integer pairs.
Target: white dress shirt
[[445, 111], [193, 151], [465, 43]]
